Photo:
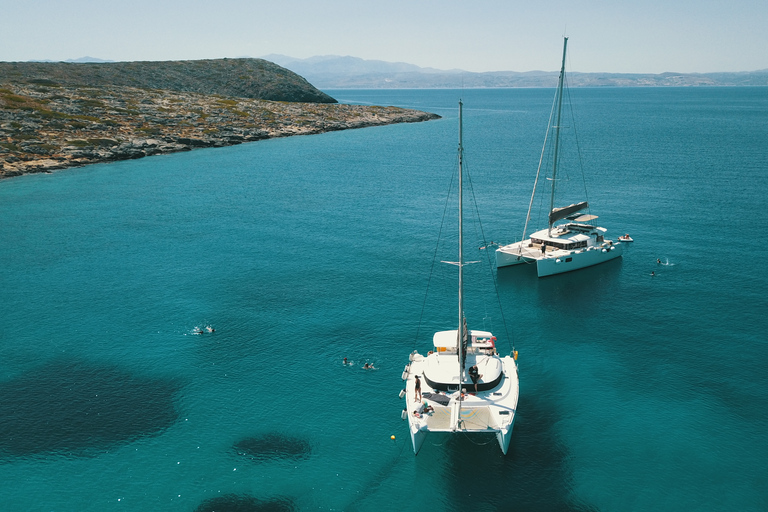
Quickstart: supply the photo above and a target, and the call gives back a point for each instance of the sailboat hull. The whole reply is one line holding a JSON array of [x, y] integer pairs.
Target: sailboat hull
[[514, 254], [559, 262], [463, 385], [490, 410], [571, 245], [556, 261], [503, 436], [418, 434]]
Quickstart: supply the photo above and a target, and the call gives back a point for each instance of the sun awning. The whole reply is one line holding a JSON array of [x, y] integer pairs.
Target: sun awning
[[448, 339], [584, 218]]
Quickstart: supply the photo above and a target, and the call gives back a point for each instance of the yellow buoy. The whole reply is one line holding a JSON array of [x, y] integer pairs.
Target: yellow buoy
[[392, 437]]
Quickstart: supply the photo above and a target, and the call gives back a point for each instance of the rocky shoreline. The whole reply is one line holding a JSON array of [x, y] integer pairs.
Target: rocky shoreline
[[45, 126]]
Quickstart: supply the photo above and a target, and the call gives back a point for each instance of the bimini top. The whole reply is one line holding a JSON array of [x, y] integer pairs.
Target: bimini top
[[447, 339], [582, 218], [558, 236]]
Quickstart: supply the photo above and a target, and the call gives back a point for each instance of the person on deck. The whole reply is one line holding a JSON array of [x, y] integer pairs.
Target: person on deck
[[474, 374], [417, 390]]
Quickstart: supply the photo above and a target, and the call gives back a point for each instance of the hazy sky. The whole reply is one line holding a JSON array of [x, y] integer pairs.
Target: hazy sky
[[632, 36]]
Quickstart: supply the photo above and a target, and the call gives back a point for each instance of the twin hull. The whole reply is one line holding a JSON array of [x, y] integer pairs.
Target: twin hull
[[491, 410], [558, 262]]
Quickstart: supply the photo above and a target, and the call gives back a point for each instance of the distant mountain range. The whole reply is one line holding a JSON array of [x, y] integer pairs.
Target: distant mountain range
[[336, 72], [81, 60]]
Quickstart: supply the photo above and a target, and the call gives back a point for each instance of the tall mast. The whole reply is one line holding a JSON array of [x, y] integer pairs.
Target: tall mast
[[557, 132], [460, 331]]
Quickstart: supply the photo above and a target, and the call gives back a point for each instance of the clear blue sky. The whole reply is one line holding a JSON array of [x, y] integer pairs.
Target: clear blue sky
[[626, 36]]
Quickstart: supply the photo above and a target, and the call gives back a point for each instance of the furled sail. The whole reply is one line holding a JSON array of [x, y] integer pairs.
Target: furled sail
[[464, 344], [560, 213]]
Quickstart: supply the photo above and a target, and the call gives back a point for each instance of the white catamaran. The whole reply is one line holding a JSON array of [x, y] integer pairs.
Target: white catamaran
[[571, 245], [462, 385]]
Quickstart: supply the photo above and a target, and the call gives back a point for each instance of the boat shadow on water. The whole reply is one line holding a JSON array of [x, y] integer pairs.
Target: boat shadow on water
[[587, 284], [534, 475]]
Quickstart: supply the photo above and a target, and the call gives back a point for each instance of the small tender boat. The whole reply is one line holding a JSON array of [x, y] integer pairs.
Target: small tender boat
[[625, 238]]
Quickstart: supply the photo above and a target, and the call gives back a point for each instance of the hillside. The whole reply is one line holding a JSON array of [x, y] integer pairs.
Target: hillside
[[54, 116], [243, 78]]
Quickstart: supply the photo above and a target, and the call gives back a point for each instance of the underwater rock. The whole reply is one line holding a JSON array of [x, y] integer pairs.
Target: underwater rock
[[79, 408], [273, 446], [244, 503]]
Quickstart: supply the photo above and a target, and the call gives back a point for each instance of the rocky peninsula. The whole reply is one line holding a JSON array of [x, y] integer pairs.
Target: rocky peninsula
[[57, 115]]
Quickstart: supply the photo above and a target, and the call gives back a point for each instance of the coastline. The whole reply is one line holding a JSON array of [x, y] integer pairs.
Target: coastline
[[46, 126]]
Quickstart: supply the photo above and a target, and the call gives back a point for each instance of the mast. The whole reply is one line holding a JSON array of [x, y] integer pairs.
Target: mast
[[557, 132], [461, 327]]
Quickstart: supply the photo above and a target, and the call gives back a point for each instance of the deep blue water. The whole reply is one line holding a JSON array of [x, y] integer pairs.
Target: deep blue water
[[637, 392]]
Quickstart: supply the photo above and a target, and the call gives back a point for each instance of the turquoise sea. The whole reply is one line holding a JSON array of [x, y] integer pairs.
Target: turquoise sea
[[638, 392]]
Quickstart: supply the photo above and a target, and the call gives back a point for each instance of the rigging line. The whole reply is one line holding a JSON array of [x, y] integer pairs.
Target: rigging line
[[490, 265], [383, 475], [474, 442], [478, 236], [434, 259], [538, 169], [578, 146]]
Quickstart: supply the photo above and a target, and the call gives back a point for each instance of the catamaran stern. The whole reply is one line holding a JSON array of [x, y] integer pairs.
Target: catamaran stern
[[513, 254]]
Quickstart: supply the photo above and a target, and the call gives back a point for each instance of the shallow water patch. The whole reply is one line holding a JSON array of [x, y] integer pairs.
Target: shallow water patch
[[79, 408]]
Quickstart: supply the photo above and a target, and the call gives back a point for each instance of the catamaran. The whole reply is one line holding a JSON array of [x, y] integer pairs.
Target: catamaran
[[571, 245], [463, 385]]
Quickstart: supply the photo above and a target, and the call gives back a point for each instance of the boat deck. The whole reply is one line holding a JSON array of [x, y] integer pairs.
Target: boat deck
[[475, 410], [518, 248], [534, 253]]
